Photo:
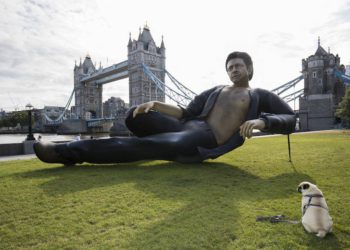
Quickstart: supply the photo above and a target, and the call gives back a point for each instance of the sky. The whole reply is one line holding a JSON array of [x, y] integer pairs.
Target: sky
[[40, 41]]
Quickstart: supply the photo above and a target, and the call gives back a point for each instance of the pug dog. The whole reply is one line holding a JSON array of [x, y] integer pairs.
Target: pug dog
[[315, 215]]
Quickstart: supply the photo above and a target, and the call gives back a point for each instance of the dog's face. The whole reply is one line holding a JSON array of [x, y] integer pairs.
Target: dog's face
[[307, 188]]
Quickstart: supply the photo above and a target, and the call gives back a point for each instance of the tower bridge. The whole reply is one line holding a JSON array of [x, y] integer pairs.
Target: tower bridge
[[112, 73], [324, 78], [88, 81], [324, 88]]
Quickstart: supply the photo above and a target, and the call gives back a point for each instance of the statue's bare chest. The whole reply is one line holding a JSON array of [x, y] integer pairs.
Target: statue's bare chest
[[233, 100]]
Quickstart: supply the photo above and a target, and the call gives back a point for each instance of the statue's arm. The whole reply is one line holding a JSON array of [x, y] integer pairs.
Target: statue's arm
[[278, 116], [194, 108], [162, 107]]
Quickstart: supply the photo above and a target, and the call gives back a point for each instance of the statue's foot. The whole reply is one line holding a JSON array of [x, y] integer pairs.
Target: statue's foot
[[46, 152]]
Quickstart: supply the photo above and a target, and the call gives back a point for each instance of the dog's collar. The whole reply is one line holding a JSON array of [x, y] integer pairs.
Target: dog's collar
[[306, 206]]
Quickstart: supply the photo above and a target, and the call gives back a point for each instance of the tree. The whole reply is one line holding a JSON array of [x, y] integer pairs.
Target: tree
[[12, 119], [343, 110]]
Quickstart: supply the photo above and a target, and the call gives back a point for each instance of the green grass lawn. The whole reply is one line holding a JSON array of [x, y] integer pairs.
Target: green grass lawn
[[166, 205]]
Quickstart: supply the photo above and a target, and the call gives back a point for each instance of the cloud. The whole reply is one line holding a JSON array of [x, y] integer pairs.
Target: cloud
[[38, 48], [343, 14], [40, 40], [334, 31], [282, 41]]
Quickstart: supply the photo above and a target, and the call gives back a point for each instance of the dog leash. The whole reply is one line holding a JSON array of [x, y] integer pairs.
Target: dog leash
[[276, 219]]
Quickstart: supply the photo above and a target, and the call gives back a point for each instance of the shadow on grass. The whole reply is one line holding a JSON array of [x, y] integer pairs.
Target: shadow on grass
[[318, 243], [167, 174], [210, 193]]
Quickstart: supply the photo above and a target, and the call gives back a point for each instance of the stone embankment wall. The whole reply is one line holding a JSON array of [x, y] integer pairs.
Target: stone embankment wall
[[11, 149]]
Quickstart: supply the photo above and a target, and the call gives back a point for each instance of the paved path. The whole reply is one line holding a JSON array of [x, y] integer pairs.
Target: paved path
[[17, 157]]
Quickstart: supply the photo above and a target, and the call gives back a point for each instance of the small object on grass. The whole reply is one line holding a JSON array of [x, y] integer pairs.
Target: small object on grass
[[275, 219]]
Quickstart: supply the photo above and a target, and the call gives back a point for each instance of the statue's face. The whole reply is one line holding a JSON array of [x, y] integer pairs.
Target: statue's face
[[237, 71]]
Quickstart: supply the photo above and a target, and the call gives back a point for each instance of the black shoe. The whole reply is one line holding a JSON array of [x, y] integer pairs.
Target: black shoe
[[46, 152]]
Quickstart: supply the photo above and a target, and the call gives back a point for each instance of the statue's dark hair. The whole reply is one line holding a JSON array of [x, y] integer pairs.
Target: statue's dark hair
[[245, 57]]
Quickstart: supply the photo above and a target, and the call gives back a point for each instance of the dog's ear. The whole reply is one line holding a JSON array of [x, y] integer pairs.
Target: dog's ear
[[306, 186]]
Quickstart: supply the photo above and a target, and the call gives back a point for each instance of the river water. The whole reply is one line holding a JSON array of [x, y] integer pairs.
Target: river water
[[18, 138]]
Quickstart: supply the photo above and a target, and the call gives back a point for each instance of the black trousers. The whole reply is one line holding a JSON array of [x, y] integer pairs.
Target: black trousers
[[158, 137]]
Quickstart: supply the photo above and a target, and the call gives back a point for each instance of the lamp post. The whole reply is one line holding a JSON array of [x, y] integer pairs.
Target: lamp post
[[30, 136]]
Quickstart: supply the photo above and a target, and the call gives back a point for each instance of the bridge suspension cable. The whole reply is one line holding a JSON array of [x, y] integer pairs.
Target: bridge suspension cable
[[283, 88], [296, 94], [293, 96], [186, 91], [182, 96], [342, 76], [60, 118]]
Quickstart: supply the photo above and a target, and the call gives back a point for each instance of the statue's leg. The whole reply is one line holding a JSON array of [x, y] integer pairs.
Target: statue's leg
[[151, 123], [165, 146]]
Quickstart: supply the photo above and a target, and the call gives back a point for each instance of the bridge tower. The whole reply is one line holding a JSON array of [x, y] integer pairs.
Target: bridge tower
[[322, 90], [88, 95], [144, 50]]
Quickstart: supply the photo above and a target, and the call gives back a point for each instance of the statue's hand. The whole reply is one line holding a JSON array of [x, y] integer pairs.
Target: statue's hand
[[143, 108], [246, 129]]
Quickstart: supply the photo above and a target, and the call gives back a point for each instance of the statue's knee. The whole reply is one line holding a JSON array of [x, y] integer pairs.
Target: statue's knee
[[129, 117], [129, 113]]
